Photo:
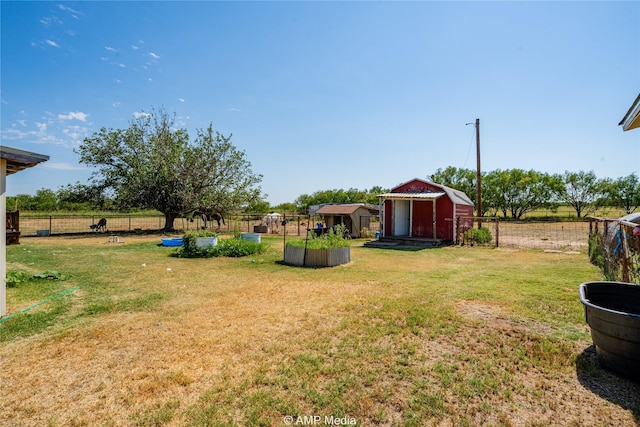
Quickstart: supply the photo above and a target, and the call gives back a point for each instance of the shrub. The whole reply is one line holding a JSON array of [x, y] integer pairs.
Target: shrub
[[238, 248], [227, 247], [480, 236], [596, 251], [365, 233]]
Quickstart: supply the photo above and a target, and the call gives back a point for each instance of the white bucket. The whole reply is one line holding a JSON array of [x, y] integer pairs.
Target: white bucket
[[252, 237]]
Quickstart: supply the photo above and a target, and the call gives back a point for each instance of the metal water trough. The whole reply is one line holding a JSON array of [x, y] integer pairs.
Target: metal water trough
[[612, 311]]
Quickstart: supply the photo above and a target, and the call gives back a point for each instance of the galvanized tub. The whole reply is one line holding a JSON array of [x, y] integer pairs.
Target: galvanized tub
[[305, 257], [612, 311], [251, 237], [203, 242]]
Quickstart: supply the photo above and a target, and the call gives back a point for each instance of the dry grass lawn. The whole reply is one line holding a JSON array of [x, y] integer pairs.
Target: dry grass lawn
[[435, 337]]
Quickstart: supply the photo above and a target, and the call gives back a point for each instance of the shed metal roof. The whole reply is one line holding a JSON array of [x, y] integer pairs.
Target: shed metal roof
[[432, 195], [344, 209]]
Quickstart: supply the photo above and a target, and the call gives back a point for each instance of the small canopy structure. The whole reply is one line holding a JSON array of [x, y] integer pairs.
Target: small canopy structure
[[631, 120], [354, 216], [12, 161]]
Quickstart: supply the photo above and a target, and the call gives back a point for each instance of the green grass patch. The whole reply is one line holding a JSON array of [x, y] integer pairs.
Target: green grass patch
[[443, 336]]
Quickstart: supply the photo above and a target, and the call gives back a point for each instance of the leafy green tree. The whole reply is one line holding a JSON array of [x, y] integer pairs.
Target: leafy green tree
[[45, 200], [288, 207], [22, 202], [583, 191], [372, 194], [258, 206], [625, 193], [515, 192], [83, 197], [465, 181], [351, 195], [153, 165]]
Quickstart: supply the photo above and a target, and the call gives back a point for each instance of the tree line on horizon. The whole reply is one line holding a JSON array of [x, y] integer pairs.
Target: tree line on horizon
[[511, 193], [154, 165]]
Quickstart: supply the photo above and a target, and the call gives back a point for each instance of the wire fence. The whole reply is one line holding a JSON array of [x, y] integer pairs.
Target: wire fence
[[614, 246], [50, 225], [546, 235]]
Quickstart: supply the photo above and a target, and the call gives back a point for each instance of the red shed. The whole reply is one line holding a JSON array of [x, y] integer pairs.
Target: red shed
[[424, 210]]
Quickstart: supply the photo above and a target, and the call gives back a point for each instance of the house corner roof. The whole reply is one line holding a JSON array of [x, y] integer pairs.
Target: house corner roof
[[631, 120], [18, 160]]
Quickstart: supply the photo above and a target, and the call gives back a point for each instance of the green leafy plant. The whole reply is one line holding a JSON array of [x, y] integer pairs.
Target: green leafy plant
[[189, 248], [333, 238], [480, 236], [14, 278], [238, 248], [50, 275], [226, 247]]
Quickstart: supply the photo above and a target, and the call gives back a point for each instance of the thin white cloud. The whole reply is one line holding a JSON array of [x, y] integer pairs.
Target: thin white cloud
[[111, 49], [154, 56], [181, 99], [74, 13], [77, 115], [49, 20], [140, 114], [62, 166], [52, 43], [52, 129], [134, 47], [13, 134]]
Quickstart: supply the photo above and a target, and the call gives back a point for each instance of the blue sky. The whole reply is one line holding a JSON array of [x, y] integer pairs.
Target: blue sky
[[327, 95]]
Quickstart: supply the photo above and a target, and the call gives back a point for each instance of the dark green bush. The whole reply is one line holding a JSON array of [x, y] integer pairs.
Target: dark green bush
[[596, 252], [233, 248], [480, 236]]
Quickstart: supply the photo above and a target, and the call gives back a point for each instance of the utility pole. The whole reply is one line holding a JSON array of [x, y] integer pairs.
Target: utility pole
[[478, 173]]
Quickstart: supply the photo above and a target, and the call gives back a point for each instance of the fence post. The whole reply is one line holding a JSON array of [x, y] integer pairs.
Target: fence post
[[625, 255], [50, 224], [497, 233]]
